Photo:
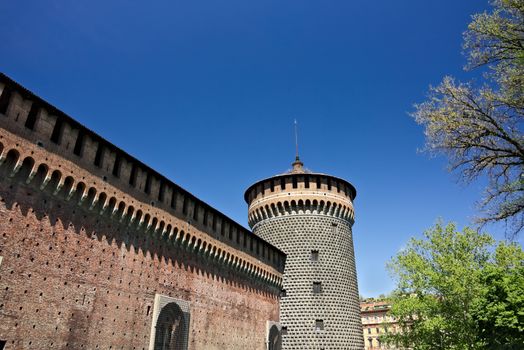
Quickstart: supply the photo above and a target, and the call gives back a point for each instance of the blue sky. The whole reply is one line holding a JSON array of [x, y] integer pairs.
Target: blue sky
[[206, 93]]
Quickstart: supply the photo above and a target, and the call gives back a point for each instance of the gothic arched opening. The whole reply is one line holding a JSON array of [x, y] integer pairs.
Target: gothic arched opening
[[171, 329]]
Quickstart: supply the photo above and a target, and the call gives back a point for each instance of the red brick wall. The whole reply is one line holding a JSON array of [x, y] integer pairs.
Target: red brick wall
[[81, 271], [69, 279]]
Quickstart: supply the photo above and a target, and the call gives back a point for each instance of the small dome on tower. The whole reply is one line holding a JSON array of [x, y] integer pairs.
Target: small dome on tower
[[298, 167]]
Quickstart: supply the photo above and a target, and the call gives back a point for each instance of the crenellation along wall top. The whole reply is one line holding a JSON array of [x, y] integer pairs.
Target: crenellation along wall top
[[66, 176]]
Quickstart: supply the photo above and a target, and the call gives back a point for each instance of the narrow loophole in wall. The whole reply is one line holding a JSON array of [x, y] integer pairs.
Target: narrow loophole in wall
[[4, 100], [173, 199], [116, 165], [98, 155], [79, 144], [57, 131], [195, 212], [132, 176], [184, 206], [31, 117], [147, 188], [161, 190]]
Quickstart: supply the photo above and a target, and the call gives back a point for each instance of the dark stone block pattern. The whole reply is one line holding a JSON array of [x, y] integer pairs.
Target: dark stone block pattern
[[336, 302]]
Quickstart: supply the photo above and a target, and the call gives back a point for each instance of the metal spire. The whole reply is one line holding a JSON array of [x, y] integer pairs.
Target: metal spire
[[297, 164], [296, 141]]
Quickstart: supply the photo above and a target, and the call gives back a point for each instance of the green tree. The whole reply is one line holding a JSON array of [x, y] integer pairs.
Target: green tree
[[499, 309], [479, 127], [455, 292]]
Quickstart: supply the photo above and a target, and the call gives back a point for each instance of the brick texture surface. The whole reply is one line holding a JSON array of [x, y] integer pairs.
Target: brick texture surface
[[84, 252]]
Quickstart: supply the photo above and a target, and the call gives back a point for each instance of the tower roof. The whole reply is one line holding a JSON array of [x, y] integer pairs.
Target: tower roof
[[298, 167]]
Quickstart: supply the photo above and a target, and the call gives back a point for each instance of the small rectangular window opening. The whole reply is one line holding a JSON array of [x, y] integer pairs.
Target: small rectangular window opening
[[116, 165], [147, 188], [319, 325], [314, 255], [173, 199], [272, 185], [329, 184], [161, 190], [4, 100], [79, 144], [319, 184], [282, 184], [98, 155], [31, 117], [306, 181], [295, 185], [132, 176], [195, 212], [57, 131], [184, 206], [317, 287]]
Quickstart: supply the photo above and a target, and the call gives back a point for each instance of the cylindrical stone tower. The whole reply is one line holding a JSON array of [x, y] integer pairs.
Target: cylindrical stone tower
[[309, 217]]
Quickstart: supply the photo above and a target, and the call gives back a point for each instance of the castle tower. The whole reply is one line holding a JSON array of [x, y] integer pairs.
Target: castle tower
[[309, 217]]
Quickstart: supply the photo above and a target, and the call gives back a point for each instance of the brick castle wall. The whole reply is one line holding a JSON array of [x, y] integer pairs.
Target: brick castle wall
[[85, 248]]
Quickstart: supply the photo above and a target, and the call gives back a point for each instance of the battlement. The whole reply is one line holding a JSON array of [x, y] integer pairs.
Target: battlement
[[298, 193], [104, 178]]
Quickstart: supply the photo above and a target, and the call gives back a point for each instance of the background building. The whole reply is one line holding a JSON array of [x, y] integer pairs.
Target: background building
[[374, 315], [309, 216]]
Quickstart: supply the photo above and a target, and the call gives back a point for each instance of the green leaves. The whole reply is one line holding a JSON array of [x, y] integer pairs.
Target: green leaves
[[454, 291], [499, 309]]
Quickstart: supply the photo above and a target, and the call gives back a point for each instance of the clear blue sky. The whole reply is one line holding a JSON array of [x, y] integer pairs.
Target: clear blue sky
[[206, 92]]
